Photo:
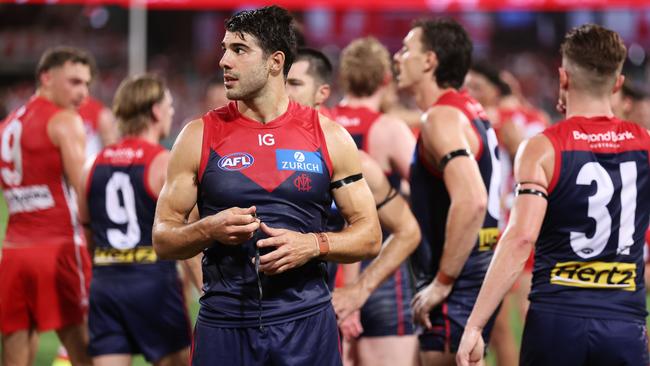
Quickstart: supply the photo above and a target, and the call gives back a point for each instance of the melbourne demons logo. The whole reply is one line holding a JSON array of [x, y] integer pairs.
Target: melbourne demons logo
[[236, 161], [303, 183]]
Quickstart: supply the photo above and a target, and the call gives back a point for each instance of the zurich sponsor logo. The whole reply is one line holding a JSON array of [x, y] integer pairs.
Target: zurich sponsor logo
[[236, 161], [298, 160]]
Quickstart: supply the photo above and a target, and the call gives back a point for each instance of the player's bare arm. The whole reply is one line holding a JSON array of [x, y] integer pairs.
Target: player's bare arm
[[395, 216], [173, 237], [82, 202], [66, 131], [533, 169], [393, 133], [360, 239], [107, 127], [445, 131], [511, 136]]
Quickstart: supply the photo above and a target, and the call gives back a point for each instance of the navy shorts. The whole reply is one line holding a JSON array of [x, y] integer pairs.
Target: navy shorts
[[558, 340], [388, 309], [137, 315], [310, 341], [448, 320]]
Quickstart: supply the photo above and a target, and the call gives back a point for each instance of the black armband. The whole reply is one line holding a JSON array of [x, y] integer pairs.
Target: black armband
[[392, 193], [532, 191], [454, 154], [345, 181]]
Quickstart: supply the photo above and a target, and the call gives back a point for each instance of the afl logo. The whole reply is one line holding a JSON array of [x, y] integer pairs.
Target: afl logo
[[298, 156], [236, 161]]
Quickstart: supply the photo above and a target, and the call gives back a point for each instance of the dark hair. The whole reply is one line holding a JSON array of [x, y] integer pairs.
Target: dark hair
[[452, 47], [57, 56], [633, 91], [492, 75], [320, 66], [594, 48], [273, 28]]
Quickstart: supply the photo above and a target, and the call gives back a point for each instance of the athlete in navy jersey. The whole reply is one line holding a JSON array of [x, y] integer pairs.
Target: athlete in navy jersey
[[263, 171], [454, 185], [583, 194], [136, 301]]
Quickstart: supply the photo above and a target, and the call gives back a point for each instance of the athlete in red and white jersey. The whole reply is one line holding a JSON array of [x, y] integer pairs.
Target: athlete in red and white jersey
[[44, 267], [99, 124]]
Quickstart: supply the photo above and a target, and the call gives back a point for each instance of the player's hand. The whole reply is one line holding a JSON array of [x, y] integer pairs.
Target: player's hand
[[426, 300], [470, 351], [293, 249], [351, 326], [346, 300], [233, 226]]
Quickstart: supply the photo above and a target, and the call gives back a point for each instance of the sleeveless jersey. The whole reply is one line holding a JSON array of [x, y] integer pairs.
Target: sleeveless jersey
[[42, 206], [589, 254], [357, 121], [122, 208], [89, 111], [283, 168], [430, 202]]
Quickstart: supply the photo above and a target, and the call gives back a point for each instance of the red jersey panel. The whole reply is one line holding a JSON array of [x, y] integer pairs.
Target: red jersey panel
[[89, 112], [358, 121], [42, 207]]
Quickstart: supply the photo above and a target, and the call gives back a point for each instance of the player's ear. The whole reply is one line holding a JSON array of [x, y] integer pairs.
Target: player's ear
[[620, 79], [322, 93], [564, 78], [277, 60], [45, 77], [156, 112], [430, 62]]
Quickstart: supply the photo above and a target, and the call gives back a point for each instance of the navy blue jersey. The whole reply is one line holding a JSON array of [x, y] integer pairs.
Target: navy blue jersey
[[122, 208], [430, 202], [589, 254], [282, 167]]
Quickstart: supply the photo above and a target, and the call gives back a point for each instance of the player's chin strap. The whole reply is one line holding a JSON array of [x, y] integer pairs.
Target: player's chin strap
[[533, 191]]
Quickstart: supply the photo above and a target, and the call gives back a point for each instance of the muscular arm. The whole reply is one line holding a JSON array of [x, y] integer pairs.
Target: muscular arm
[[396, 217], [534, 163], [66, 131], [84, 214], [107, 127], [361, 238], [510, 137], [173, 237]]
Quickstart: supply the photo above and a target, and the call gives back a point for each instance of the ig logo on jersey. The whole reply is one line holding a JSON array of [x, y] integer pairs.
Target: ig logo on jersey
[[236, 161]]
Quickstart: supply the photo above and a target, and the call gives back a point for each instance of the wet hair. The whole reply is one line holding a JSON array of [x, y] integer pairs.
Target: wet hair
[[364, 65], [492, 76], [320, 67], [272, 27], [57, 56], [452, 46], [594, 55], [134, 99]]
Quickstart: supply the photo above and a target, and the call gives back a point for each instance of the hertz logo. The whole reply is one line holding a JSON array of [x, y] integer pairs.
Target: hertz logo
[[487, 238], [601, 275], [104, 256]]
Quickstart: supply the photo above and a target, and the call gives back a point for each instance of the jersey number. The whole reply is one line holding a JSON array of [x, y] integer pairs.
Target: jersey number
[[122, 212], [11, 153], [597, 209]]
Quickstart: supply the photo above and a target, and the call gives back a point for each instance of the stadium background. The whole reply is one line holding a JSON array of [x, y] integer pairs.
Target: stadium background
[[179, 39]]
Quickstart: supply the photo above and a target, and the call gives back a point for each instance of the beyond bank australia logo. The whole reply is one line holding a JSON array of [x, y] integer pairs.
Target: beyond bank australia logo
[[236, 161]]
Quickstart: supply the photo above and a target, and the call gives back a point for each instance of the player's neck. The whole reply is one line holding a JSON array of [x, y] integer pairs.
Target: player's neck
[[372, 102], [47, 94], [427, 92], [268, 104], [151, 134], [581, 104]]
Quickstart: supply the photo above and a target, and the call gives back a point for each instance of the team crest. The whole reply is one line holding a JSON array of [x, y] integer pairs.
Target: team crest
[[236, 161], [303, 183]]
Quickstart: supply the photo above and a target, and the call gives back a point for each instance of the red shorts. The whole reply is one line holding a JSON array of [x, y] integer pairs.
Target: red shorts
[[43, 287]]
